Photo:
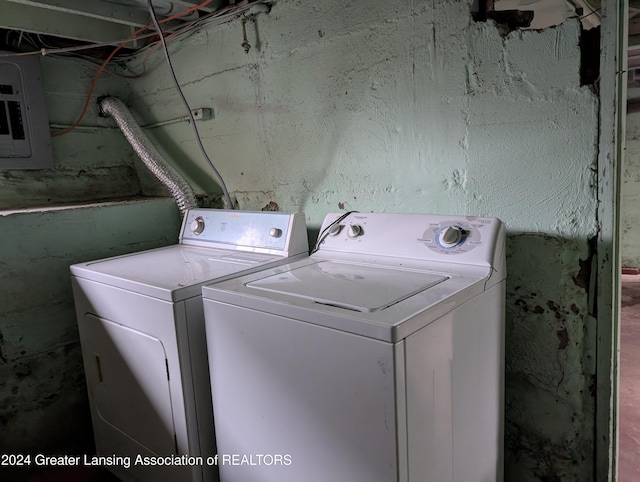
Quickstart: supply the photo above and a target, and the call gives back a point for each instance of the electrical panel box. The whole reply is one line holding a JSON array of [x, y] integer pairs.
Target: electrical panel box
[[25, 140]]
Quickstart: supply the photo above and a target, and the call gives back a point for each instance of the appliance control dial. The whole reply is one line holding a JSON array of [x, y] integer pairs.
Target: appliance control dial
[[450, 236], [335, 229], [275, 232], [354, 231], [197, 225]]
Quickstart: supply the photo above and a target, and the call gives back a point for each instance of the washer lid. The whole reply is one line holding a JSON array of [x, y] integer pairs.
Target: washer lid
[[383, 299], [357, 287]]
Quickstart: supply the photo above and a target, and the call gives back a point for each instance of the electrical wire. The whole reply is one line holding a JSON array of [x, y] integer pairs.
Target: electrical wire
[[221, 182], [94, 62], [44, 49], [61, 50], [596, 11], [231, 10], [176, 31], [325, 232], [218, 17], [113, 53], [586, 4]]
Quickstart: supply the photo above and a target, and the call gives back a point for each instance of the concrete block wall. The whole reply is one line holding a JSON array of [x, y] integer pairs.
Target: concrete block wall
[[90, 164], [43, 400], [394, 106], [404, 106]]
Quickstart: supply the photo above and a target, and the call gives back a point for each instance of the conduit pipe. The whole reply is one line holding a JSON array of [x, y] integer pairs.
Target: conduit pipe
[[167, 175]]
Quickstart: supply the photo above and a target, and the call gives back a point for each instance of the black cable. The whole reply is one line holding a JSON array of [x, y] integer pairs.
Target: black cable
[[325, 232], [184, 101], [597, 10]]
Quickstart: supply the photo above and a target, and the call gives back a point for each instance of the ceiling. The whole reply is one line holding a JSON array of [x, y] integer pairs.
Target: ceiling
[[98, 21], [111, 21]]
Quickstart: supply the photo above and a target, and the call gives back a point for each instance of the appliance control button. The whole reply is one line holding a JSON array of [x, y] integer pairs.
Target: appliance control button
[[450, 236], [197, 226], [354, 231], [335, 229], [275, 232]]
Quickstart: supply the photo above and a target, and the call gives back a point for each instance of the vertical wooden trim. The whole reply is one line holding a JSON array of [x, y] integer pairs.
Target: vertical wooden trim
[[613, 47]]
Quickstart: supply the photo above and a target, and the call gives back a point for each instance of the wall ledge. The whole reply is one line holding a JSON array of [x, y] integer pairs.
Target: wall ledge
[[93, 204]]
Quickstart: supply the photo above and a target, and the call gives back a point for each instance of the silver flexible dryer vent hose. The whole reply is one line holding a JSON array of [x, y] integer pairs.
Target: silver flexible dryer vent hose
[[167, 175]]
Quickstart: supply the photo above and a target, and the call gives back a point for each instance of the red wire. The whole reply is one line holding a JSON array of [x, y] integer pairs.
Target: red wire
[[115, 51]]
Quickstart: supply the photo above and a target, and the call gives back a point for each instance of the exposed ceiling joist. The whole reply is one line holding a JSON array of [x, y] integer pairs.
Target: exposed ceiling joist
[[27, 18], [100, 10], [92, 21]]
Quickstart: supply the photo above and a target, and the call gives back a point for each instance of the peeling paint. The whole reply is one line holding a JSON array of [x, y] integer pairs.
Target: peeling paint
[[583, 278], [563, 338], [547, 360], [458, 180], [271, 206], [3, 358]]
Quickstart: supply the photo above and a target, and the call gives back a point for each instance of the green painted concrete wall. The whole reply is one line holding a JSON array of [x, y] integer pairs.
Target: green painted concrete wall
[[395, 106], [43, 399], [403, 106], [630, 210]]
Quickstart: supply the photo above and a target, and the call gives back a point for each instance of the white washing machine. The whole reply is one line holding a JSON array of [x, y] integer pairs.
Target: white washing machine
[[143, 343], [378, 358]]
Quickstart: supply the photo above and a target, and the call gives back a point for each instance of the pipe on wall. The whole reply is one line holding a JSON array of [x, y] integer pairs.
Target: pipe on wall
[[167, 175]]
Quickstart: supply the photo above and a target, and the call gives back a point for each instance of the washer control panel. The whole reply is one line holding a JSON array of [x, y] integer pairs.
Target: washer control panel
[[453, 236], [354, 230], [417, 236]]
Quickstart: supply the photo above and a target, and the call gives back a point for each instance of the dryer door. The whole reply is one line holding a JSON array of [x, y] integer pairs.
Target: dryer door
[[127, 379]]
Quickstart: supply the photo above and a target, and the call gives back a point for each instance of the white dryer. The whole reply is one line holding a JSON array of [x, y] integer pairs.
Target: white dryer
[[142, 334], [378, 358]]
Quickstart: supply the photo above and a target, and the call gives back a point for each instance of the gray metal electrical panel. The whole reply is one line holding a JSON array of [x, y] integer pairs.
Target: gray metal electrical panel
[[25, 140]]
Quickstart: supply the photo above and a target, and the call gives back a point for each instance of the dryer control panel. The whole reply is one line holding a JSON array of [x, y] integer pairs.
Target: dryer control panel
[[260, 231], [460, 239]]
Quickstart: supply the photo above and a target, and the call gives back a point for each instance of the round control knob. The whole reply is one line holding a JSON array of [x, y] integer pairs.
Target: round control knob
[[275, 232], [354, 231], [450, 236], [197, 226], [335, 229]]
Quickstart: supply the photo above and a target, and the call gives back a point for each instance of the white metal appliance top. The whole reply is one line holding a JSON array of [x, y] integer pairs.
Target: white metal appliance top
[[380, 269], [467, 240], [256, 231], [214, 245]]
